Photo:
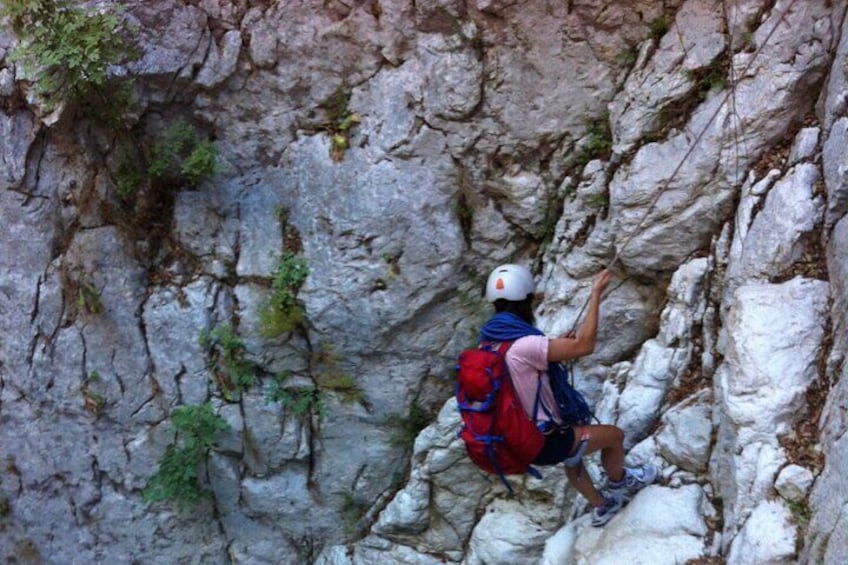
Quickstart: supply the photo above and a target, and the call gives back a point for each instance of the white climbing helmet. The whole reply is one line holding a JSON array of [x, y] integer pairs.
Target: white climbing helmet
[[510, 282]]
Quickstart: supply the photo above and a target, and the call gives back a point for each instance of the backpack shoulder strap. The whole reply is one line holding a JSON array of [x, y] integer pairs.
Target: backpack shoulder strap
[[502, 348]]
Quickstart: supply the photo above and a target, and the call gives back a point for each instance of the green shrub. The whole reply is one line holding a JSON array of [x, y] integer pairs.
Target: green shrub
[[178, 475], [233, 373], [93, 401], [343, 384], [329, 377], [711, 77], [658, 28], [598, 201], [128, 179], [352, 511], [340, 120], [283, 312], [181, 154], [406, 428], [88, 297], [67, 48], [301, 401], [598, 143], [201, 163], [627, 57]]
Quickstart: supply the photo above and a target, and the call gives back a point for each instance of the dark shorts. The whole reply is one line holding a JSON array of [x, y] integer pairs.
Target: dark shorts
[[557, 448]]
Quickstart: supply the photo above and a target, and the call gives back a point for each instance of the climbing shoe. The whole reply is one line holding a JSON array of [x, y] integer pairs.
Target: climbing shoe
[[604, 513], [633, 481]]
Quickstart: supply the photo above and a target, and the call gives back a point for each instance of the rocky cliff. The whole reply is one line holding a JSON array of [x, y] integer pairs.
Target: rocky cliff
[[286, 216]]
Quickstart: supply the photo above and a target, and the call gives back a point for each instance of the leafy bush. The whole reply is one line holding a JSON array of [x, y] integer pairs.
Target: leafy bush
[[352, 510], [200, 163], [283, 312], [233, 373], [178, 475], [65, 47], [181, 154], [598, 143], [88, 297], [325, 368], [128, 178], [711, 77], [340, 120], [343, 384], [659, 27], [301, 401], [406, 428]]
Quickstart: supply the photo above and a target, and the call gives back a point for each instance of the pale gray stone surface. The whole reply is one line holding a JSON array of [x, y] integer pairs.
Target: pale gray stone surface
[[767, 537], [805, 145], [794, 482], [17, 132], [660, 525], [697, 199], [774, 333], [220, 60], [686, 435], [777, 236], [474, 118], [836, 171]]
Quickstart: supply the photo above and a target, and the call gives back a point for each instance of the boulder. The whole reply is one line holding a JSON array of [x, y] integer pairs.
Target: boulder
[[767, 537], [793, 483], [660, 525]]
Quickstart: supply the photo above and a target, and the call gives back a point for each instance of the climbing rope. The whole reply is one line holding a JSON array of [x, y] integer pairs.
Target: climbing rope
[[731, 92]]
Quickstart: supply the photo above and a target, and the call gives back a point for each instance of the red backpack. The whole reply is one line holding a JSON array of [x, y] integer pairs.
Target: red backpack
[[499, 435]]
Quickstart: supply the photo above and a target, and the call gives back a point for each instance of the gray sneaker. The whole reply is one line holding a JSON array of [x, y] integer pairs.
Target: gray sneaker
[[604, 513], [634, 480]]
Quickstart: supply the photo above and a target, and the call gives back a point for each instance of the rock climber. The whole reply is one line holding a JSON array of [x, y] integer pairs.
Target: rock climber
[[533, 356]]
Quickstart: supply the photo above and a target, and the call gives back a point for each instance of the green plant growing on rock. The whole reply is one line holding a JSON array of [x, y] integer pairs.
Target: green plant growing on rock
[[340, 122], [548, 230], [93, 402], [300, 401], [233, 373], [801, 513], [406, 428], [658, 28], [598, 201], [392, 262], [178, 477], [627, 57], [277, 391], [180, 153], [709, 78], [128, 178], [88, 297], [328, 376], [282, 312], [344, 385], [67, 47], [598, 144], [352, 511]]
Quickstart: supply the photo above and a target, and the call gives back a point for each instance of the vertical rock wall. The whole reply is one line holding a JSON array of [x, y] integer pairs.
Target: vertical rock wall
[[700, 143]]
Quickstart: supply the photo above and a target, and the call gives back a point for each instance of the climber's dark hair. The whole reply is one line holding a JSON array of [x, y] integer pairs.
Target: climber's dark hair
[[521, 308]]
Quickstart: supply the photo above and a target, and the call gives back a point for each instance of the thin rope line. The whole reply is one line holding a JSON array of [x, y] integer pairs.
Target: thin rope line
[[730, 92]]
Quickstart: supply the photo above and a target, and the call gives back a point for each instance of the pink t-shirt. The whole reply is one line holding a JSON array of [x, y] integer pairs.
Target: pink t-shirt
[[527, 361]]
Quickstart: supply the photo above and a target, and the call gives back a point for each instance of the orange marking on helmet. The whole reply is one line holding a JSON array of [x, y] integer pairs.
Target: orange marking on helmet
[[499, 284]]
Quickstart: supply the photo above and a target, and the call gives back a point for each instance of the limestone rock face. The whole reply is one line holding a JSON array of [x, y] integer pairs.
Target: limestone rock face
[[402, 150], [762, 383]]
